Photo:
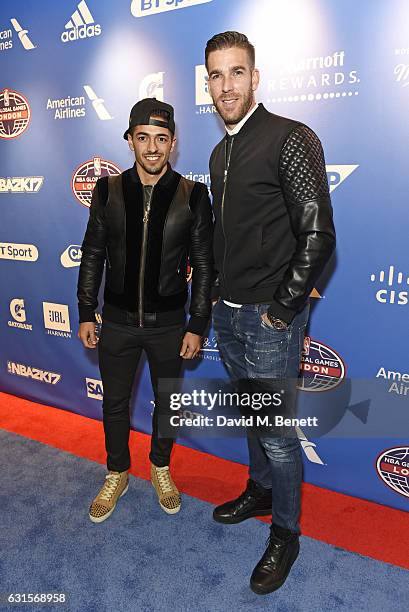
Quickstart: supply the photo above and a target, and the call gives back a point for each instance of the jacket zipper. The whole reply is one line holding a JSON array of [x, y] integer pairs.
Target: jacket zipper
[[222, 205], [146, 211]]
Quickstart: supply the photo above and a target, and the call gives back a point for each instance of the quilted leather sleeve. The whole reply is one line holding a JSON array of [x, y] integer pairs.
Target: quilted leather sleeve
[[305, 187], [201, 259], [93, 257]]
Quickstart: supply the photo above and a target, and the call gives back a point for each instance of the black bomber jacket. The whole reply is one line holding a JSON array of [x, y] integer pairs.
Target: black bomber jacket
[[274, 230], [144, 238]]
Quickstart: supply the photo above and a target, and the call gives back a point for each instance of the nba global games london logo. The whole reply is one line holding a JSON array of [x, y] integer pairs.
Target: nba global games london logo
[[392, 466], [322, 369], [86, 175], [14, 113]]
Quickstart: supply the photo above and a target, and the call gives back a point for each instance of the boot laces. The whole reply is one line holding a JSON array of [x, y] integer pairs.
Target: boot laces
[[163, 476], [110, 485]]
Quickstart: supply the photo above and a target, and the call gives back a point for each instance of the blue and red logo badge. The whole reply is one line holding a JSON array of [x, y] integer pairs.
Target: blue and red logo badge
[[392, 466], [322, 369]]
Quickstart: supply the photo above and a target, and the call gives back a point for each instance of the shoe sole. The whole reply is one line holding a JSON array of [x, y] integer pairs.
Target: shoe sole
[[278, 585], [172, 511], [220, 519], [101, 519]]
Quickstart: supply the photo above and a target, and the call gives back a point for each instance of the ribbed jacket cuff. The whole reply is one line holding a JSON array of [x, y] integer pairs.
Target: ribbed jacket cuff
[[86, 314], [280, 312], [197, 325]]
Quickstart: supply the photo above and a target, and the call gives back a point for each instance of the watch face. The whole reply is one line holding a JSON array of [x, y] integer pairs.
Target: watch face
[[279, 324]]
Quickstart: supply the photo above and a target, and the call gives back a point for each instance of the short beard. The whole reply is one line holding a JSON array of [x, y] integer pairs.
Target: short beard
[[241, 112]]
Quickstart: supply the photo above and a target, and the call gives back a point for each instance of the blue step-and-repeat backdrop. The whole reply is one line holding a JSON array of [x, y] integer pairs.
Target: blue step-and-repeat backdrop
[[70, 72]]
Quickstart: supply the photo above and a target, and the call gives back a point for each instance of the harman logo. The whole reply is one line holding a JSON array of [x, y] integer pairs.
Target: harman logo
[[57, 319], [151, 86], [6, 37], [322, 369], [18, 252], [21, 184], [392, 466], [20, 369], [203, 98], [81, 25], [73, 107], [71, 257], [14, 113], [337, 174], [86, 175], [94, 388], [388, 295], [18, 312], [141, 8]]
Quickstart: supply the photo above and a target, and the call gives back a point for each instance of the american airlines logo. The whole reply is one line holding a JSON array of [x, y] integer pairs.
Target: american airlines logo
[[141, 8], [20, 369], [395, 287], [6, 37], [23, 35], [81, 25], [337, 174], [74, 107]]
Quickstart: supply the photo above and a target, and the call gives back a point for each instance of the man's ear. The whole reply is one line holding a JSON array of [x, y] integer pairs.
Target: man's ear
[[255, 79], [130, 143], [173, 144]]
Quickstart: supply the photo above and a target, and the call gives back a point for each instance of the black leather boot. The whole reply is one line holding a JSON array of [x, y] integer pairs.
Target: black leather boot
[[274, 566], [254, 501]]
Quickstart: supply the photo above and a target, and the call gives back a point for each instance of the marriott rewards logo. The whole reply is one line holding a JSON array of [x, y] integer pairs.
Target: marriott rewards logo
[[141, 8]]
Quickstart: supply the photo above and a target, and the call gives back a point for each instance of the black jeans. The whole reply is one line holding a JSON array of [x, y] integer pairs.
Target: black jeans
[[119, 350]]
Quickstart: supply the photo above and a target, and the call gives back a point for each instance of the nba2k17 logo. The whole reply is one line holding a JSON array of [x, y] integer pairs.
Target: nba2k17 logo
[[14, 114], [86, 175], [322, 368], [392, 466]]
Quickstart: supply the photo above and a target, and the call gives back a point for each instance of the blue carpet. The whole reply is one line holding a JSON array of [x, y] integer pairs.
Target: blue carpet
[[143, 560]]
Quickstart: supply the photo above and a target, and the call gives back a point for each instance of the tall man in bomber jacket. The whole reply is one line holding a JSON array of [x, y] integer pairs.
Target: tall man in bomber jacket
[[273, 236], [144, 224]]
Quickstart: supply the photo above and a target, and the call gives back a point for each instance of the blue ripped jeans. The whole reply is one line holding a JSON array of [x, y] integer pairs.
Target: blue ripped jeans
[[251, 350]]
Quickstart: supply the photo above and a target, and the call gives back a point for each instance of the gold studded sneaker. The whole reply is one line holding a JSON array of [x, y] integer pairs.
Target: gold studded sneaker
[[115, 485], [168, 495]]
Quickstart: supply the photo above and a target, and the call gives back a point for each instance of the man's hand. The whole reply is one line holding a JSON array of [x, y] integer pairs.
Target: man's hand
[[266, 320], [87, 335], [191, 345]]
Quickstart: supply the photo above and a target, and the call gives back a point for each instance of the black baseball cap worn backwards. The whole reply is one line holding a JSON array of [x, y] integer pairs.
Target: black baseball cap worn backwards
[[142, 111]]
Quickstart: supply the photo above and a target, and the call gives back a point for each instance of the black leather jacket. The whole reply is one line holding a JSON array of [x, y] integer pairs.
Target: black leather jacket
[[274, 231], [145, 237]]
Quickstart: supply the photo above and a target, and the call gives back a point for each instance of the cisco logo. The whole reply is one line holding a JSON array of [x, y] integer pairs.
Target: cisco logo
[[387, 295]]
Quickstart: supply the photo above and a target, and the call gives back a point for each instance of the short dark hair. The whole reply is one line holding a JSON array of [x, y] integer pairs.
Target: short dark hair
[[227, 40]]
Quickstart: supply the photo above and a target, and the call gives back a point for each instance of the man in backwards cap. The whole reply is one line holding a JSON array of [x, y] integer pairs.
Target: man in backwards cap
[[143, 224]]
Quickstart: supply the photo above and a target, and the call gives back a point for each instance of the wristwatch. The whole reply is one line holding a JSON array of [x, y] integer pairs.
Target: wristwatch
[[277, 323]]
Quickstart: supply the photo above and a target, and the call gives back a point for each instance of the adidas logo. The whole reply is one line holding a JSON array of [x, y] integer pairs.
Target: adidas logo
[[81, 25]]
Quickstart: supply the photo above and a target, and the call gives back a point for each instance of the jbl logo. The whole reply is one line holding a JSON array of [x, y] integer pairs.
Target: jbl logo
[[56, 316]]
